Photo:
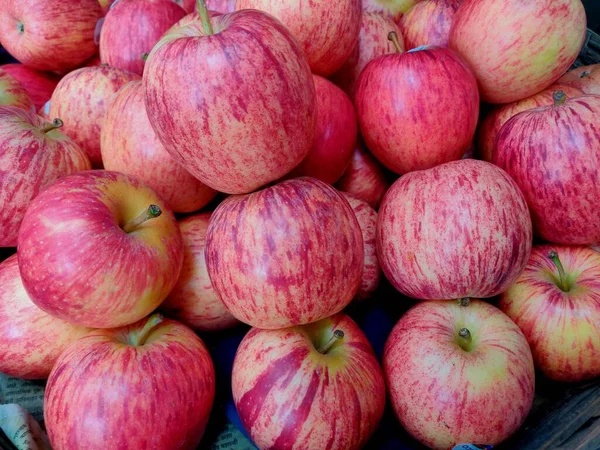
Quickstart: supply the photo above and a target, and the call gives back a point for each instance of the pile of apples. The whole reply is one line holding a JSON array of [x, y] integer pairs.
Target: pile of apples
[[264, 162]]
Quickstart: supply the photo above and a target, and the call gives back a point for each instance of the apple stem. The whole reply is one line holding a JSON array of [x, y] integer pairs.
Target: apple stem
[[204, 17], [141, 337], [152, 212], [466, 338], [337, 335], [20, 27], [464, 301], [392, 36], [559, 98], [563, 283], [56, 123], [144, 56]]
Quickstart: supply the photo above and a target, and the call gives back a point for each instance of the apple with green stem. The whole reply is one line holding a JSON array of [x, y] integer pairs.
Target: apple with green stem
[[556, 302]]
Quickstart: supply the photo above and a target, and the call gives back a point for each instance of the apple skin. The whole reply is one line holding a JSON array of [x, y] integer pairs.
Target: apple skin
[[335, 137], [81, 100], [367, 219], [586, 79], [12, 92], [287, 255], [105, 393], [193, 300], [553, 154], [461, 229], [94, 273], [390, 8], [429, 23], [222, 6], [562, 328], [372, 43], [365, 178], [56, 35], [426, 117], [150, 19], [327, 31], [31, 340], [289, 395], [129, 145], [439, 390], [39, 85], [545, 39], [30, 160], [237, 109], [188, 5], [493, 122]]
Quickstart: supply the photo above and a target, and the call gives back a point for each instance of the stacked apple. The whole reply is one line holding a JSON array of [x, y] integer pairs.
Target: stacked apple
[[264, 162]]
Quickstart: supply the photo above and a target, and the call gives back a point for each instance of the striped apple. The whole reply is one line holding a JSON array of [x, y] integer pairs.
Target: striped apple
[[12, 92], [586, 79], [222, 6], [429, 23], [556, 302], [316, 386], [287, 255], [39, 85], [461, 229], [390, 8]]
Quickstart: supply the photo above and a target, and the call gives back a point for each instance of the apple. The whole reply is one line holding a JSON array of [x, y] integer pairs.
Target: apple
[[458, 373], [518, 49], [372, 43], [222, 6], [498, 116], [367, 220], [93, 62], [33, 153], [287, 255], [461, 229], [31, 340], [187, 5], [553, 154], [309, 387], [236, 112], [335, 137], [429, 23], [52, 35], [150, 19], [586, 79], [556, 302], [39, 85], [193, 300], [391, 8], [365, 178], [148, 385], [423, 118], [12, 92], [327, 31], [129, 145], [112, 249], [81, 100]]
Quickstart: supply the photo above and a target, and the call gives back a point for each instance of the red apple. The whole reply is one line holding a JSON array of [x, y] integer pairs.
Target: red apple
[[316, 386], [148, 385], [193, 300], [516, 48], [53, 35], [553, 153], [429, 23], [81, 100], [335, 137], [112, 250], [39, 85], [326, 30], [287, 255], [365, 178], [556, 302], [586, 79], [187, 5], [31, 340], [491, 125], [149, 20], [236, 108], [458, 374], [12, 92], [422, 118], [371, 273], [222, 6], [461, 229], [372, 43], [33, 153], [390, 8], [130, 146]]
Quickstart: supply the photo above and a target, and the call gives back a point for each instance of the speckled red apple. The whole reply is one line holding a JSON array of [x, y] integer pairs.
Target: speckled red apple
[[390, 8], [586, 79], [429, 23], [39, 85], [12, 92]]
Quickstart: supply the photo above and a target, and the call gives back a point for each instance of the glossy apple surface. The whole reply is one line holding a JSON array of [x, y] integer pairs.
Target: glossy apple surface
[[429, 23]]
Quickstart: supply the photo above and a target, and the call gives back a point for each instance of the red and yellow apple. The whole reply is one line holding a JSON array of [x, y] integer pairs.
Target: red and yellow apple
[[391, 8], [429, 23], [586, 79], [39, 85], [13, 93], [221, 6]]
